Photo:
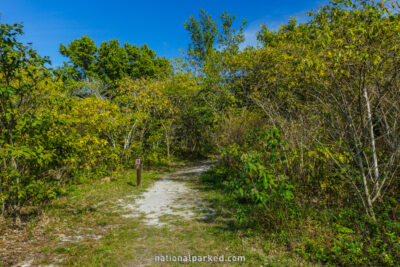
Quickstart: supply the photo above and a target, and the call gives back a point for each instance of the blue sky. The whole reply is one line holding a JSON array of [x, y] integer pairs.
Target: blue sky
[[157, 23]]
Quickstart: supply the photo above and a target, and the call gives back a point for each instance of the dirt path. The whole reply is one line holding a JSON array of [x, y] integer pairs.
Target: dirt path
[[117, 224], [169, 197]]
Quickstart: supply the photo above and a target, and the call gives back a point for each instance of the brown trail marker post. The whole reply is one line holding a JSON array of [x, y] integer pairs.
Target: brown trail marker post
[[138, 173]]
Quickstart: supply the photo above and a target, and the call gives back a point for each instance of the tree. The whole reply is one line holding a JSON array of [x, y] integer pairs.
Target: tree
[[354, 64], [203, 33], [229, 38], [143, 62], [112, 61], [17, 62], [82, 54], [147, 111], [108, 65]]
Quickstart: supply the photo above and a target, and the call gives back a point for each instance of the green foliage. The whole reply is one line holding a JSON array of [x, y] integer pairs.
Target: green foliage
[[82, 54], [206, 34], [111, 61], [203, 34], [61, 129], [305, 128], [142, 62], [331, 85], [254, 174]]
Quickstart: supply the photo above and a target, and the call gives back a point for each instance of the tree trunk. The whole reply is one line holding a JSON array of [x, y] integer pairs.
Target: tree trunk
[[372, 138], [167, 141], [3, 204], [17, 205]]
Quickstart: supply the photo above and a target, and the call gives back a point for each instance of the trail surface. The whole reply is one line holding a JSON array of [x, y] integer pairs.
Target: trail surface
[[169, 196], [114, 223]]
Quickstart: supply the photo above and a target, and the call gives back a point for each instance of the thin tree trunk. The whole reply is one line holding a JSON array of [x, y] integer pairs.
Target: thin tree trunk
[[369, 208], [167, 140], [372, 138], [3, 204], [128, 138], [17, 206]]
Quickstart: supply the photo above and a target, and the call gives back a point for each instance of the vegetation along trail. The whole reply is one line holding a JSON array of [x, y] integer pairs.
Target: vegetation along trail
[[284, 153], [116, 223]]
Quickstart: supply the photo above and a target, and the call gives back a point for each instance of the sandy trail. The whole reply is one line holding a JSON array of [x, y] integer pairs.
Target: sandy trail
[[169, 196]]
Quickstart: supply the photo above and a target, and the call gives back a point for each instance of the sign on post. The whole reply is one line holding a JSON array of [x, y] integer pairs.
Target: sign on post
[[138, 173], [137, 163]]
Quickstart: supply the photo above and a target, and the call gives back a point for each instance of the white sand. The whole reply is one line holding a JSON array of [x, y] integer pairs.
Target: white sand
[[165, 198]]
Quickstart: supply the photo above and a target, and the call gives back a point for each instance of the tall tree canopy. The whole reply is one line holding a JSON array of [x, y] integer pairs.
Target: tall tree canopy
[[111, 62]]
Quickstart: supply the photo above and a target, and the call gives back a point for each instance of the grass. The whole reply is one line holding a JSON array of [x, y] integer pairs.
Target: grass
[[99, 235]]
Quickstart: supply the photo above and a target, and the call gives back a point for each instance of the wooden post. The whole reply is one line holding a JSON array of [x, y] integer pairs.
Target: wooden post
[[138, 173]]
